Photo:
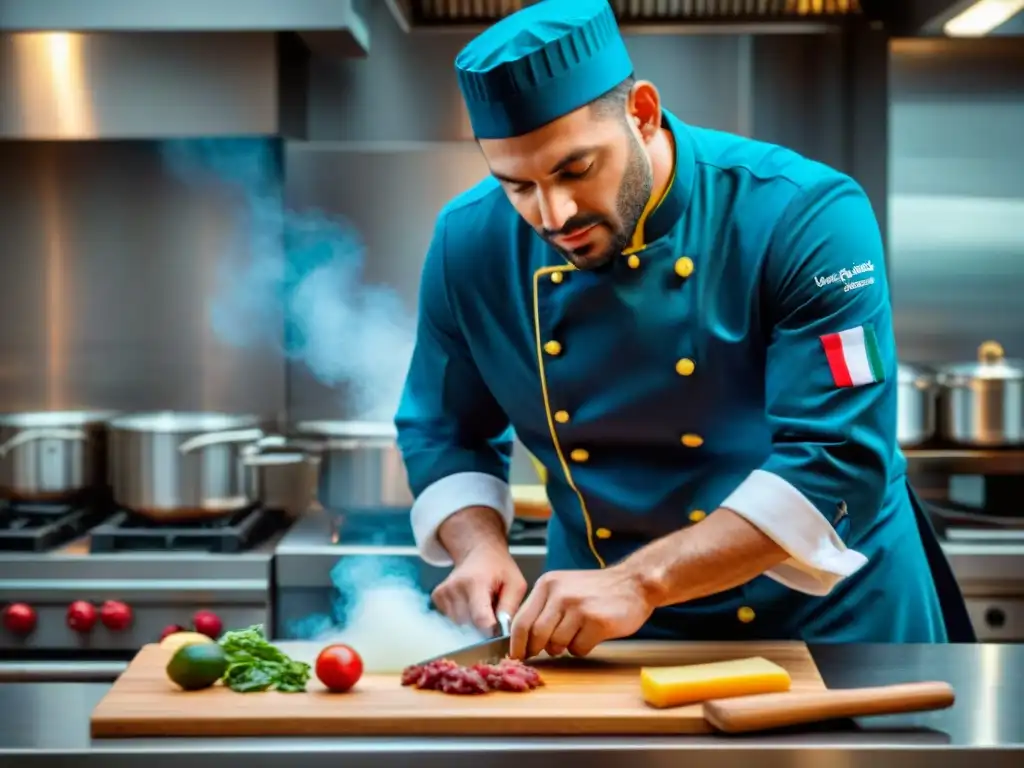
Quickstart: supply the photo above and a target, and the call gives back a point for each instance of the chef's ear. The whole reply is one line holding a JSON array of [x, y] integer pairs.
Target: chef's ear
[[645, 109]]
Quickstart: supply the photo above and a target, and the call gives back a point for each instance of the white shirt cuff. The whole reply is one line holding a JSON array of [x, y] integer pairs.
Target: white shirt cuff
[[445, 497], [818, 557]]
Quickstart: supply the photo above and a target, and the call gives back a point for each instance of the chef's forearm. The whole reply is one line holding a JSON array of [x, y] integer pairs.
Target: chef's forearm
[[719, 553], [471, 528]]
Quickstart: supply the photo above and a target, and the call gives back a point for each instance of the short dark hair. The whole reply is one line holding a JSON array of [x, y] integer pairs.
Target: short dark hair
[[612, 104]]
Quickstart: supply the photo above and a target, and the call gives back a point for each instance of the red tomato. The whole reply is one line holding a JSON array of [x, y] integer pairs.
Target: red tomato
[[339, 667]]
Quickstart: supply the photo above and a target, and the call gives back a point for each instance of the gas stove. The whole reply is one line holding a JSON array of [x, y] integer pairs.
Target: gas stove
[[975, 499], [87, 581]]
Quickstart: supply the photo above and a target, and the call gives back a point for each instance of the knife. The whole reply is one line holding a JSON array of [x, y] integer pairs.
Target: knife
[[485, 651]]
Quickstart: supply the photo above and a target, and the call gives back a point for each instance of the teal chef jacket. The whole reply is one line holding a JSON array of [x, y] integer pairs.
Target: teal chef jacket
[[740, 354]]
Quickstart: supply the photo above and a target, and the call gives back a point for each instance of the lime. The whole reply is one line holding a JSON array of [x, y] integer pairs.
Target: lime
[[197, 666]]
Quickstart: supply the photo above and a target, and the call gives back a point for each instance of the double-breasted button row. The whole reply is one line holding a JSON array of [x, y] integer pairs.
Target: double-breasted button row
[[685, 366], [683, 266]]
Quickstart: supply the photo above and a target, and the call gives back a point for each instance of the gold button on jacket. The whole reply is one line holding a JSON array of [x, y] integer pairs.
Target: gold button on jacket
[[685, 366], [692, 441]]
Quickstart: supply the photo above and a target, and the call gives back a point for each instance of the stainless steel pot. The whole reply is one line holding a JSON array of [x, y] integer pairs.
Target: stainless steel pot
[[179, 466], [283, 481], [915, 406], [52, 455], [982, 403], [361, 466]]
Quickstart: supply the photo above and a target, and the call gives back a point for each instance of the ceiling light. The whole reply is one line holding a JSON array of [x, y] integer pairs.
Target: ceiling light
[[982, 17]]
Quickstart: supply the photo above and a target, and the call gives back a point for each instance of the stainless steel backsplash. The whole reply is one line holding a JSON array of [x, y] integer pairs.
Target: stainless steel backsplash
[[956, 202], [111, 271]]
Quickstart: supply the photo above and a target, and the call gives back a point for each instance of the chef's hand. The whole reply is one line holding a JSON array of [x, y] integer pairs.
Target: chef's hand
[[577, 610], [484, 583]]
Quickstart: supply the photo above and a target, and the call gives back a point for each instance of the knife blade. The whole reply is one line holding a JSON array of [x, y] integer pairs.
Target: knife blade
[[485, 651]]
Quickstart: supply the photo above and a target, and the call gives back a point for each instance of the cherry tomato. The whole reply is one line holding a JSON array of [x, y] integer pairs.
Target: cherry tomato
[[339, 667]]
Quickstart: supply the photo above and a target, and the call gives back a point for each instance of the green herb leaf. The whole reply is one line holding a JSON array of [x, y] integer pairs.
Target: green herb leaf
[[256, 665]]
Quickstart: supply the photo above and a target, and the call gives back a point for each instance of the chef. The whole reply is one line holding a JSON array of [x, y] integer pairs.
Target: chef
[[692, 332]]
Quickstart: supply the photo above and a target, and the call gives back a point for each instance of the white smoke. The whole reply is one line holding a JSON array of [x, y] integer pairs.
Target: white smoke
[[383, 615], [302, 267]]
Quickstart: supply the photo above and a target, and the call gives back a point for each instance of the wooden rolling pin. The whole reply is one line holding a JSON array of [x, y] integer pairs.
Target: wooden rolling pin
[[743, 714]]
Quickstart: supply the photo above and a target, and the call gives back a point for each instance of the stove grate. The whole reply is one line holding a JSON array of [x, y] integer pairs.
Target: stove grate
[[42, 526], [234, 532]]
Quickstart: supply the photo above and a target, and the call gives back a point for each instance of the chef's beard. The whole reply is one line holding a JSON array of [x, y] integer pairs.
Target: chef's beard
[[634, 192]]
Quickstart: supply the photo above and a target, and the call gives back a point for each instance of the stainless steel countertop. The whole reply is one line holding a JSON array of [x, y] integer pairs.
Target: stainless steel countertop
[[48, 724]]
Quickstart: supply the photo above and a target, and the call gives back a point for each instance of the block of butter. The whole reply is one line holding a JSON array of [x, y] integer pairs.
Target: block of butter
[[677, 686]]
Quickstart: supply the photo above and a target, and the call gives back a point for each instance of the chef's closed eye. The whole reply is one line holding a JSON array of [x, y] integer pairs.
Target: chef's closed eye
[[576, 171]]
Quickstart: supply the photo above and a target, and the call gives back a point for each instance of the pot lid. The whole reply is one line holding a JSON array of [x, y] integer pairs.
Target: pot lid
[[992, 364], [349, 429], [54, 419], [184, 421], [912, 374]]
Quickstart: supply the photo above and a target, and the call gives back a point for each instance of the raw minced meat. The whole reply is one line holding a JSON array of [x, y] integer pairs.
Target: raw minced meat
[[448, 677]]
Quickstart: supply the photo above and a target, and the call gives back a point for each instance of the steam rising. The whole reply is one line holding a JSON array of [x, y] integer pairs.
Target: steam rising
[[384, 616], [306, 268], [302, 267]]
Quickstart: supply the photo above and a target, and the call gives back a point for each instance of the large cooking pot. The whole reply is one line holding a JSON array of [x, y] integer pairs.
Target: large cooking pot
[[915, 405], [982, 403], [52, 455], [183, 466], [361, 466]]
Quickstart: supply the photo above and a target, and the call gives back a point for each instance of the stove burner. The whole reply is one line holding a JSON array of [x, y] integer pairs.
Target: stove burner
[[42, 526], [127, 531], [950, 514]]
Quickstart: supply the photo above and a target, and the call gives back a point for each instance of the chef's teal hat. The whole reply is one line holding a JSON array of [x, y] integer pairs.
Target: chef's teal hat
[[539, 64]]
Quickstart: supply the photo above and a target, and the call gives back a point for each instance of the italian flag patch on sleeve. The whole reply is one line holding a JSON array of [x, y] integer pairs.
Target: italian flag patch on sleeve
[[853, 356]]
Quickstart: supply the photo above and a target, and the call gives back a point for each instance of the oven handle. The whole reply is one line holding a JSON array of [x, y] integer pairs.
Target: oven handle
[[61, 671]]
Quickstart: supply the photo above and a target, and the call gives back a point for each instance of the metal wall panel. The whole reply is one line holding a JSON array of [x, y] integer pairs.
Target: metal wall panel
[[110, 271], [957, 196]]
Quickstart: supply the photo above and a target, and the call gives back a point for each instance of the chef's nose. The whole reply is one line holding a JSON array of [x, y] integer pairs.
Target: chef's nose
[[556, 208]]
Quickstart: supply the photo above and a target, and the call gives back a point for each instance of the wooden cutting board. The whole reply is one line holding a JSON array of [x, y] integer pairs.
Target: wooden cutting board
[[597, 695]]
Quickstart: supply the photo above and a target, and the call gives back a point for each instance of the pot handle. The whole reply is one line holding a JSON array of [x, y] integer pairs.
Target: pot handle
[[276, 444], [220, 438], [31, 435]]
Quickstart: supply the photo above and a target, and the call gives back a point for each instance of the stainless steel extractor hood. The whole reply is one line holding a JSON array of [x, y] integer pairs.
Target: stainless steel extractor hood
[[330, 27], [144, 69], [656, 16]]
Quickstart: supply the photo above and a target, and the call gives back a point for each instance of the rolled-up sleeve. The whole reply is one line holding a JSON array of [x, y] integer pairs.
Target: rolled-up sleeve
[[455, 439], [830, 386]]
